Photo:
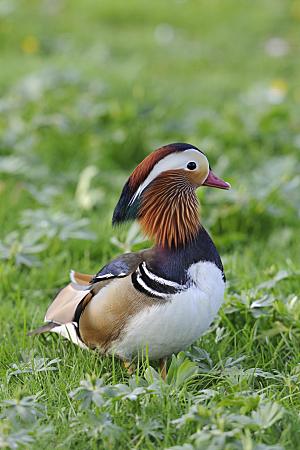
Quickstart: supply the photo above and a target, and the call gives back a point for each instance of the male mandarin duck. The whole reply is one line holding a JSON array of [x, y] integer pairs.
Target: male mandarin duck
[[160, 299]]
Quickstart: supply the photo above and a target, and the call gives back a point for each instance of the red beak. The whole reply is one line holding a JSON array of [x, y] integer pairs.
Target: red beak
[[214, 181]]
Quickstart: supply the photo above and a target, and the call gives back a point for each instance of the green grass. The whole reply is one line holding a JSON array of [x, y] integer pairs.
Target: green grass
[[101, 84]]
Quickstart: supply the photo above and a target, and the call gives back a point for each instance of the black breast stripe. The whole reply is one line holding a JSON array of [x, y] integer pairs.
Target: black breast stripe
[[142, 287], [155, 285], [152, 285]]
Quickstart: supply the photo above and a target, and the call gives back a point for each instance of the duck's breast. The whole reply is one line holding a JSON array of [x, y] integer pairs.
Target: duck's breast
[[169, 327]]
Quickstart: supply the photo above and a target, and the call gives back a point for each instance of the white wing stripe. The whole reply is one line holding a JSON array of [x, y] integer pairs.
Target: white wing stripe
[[110, 275], [146, 288], [160, 280]]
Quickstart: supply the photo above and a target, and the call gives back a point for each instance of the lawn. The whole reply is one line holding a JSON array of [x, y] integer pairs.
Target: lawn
[[87, 89]]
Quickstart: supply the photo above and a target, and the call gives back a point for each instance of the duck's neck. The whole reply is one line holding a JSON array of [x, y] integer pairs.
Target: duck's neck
[[169, 211], [173, 263]]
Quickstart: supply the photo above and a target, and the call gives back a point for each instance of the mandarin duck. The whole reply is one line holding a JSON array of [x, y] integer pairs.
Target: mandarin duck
[[158, 300]]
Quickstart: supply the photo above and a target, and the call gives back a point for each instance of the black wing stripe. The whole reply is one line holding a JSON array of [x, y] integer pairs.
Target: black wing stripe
[[141, 286], [155, 285]]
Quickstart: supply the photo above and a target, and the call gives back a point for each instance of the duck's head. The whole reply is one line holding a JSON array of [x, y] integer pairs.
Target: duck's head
[[160, 193]]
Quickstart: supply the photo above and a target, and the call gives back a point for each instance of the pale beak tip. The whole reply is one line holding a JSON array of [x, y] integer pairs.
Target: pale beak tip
[[213, 181]]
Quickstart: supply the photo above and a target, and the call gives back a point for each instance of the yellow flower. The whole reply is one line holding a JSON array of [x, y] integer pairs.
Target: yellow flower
[[277, 91], [280, 85], [30, 45]]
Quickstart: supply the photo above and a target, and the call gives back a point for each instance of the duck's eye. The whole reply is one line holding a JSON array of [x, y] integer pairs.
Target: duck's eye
[[191, 165]]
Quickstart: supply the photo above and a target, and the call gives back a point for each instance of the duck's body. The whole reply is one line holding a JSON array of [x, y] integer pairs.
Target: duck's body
[[171, 326], [157, 301]]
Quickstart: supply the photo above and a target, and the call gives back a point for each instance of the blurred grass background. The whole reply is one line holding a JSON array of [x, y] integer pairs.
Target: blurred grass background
[[87, 89], [103, 84]]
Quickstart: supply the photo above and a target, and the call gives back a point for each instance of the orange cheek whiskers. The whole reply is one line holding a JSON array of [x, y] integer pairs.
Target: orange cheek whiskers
[[169, 212]]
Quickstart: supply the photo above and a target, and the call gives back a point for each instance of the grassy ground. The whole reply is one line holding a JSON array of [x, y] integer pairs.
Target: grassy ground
[[87, 89]]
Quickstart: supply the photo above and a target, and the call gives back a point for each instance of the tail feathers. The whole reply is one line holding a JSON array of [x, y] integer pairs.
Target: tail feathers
[[43, 329], [60, 314], [67, 330], [63, 307]]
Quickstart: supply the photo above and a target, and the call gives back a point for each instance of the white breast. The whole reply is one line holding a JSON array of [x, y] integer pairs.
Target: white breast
[[168, 328]]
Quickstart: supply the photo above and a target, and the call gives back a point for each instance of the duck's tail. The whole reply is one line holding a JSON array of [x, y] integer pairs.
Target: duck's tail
[[60, 316]]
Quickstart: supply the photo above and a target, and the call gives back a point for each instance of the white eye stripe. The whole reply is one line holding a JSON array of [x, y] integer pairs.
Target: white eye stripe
[[177, 160]]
